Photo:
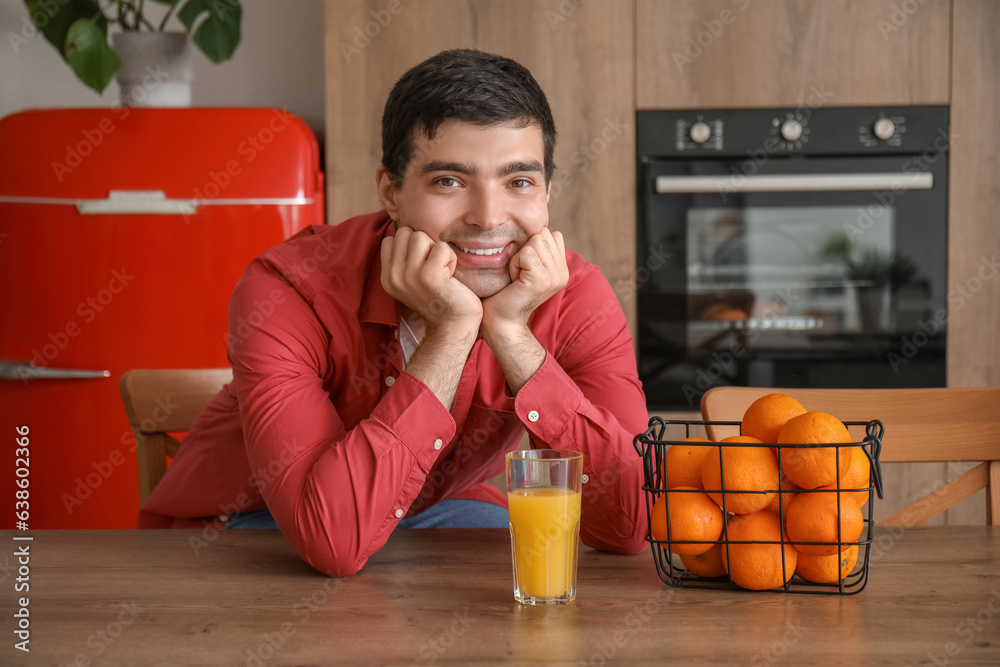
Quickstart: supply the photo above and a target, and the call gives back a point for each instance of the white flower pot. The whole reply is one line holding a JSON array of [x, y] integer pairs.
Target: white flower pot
[[156, 68]]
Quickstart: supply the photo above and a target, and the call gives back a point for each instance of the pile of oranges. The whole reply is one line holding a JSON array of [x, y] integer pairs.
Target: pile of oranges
[[730, 507]]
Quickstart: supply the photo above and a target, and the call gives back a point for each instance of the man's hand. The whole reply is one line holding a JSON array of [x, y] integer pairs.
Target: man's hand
[[420, 273], [537, 272]]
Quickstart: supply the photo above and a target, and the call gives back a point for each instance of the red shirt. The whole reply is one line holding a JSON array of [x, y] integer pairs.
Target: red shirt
[[322, 424]]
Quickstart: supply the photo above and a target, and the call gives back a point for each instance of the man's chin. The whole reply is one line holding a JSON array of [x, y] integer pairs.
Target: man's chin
[[485, 284]]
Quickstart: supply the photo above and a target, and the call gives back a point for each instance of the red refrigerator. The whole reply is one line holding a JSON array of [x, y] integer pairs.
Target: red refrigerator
[[122, 234]]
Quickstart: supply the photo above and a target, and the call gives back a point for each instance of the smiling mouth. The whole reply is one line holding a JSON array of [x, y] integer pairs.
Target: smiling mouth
[[481, 251]]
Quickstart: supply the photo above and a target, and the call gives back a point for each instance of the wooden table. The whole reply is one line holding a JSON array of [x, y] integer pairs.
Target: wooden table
[[444, 597]]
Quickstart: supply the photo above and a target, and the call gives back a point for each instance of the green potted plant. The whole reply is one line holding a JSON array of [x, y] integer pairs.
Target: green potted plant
[[153, 65], [877, 276]]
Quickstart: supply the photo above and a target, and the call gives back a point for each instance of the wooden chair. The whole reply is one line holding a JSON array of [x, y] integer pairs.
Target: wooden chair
[[161, 402], [921, 425]]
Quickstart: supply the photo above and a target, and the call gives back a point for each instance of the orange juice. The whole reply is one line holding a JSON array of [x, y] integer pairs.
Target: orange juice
[[545, 528]]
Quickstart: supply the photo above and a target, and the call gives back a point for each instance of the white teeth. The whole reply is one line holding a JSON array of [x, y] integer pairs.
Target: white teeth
[[482, 251]]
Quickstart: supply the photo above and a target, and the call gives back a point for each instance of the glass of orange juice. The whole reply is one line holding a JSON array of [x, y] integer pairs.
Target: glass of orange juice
[[543, 495]]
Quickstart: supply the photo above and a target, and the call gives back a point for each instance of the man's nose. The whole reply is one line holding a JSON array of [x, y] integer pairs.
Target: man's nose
[[487, 208]]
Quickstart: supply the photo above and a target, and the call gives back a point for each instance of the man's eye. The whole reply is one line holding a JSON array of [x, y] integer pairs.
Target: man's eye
[[521, 183], [447, 182]]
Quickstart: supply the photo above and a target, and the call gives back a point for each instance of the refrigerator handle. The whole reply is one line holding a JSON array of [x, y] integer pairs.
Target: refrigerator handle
[[123, 202], [27, 370]]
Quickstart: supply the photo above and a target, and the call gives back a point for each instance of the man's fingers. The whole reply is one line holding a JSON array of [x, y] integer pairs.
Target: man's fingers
[[560, 243], [441, 255]]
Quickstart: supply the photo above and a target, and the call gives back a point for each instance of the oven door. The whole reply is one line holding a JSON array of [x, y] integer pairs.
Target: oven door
[[791, 272]]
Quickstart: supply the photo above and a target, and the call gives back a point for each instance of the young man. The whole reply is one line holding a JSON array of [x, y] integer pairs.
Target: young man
[[393, 359]]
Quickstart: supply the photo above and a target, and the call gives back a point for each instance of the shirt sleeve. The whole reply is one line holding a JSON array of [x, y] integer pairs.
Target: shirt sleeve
[[587, 397], [336, 494]]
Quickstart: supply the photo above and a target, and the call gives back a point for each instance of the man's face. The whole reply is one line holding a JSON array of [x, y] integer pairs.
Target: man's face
[[480, 189]]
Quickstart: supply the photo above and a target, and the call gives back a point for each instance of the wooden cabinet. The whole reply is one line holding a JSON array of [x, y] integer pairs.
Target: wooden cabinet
[[582, 56], [771, 53]]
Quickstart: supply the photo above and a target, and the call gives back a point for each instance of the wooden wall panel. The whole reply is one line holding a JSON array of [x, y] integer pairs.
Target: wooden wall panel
[[973, 206], [763, 53], [581, 54], [974, 197]]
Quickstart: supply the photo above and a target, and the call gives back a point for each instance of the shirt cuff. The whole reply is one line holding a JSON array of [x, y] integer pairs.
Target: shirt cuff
[[547, 401], [418, 419]]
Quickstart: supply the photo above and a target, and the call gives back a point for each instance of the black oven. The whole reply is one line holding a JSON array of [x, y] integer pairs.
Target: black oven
[[791, 248]]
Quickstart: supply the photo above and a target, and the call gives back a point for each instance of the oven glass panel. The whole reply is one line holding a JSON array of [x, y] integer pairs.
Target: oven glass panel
[[795, 277]]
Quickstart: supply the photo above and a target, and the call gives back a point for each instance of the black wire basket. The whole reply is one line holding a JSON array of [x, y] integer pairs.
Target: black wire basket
[[663, 433]]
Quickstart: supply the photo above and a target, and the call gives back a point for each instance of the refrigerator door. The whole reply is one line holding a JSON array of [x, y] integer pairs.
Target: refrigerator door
[[122, 234]]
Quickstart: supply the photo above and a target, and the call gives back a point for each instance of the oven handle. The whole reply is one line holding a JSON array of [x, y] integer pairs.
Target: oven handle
[[794, 182]]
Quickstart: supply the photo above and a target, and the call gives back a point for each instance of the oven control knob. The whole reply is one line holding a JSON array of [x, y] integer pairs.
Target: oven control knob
[[791, 130], [884, 129], [700, 132]]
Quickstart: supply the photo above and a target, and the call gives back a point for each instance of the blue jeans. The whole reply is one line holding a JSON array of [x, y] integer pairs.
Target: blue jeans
[[456, 513]]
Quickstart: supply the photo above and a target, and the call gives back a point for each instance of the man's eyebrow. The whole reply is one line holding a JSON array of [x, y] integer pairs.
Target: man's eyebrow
[[519, 166], [441, 165], [515, 167]]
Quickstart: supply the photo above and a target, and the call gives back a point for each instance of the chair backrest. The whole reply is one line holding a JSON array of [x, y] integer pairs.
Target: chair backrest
[[921, 425], [161, 402]]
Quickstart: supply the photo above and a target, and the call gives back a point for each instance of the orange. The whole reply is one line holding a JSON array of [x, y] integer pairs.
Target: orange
[[813, 467], [692, 516], [723, 313], [758, 566], [783, 498], [708, 564], [765, 416], [812, 517], [683, 463], [829, 569], [745, 469], [858, 476]]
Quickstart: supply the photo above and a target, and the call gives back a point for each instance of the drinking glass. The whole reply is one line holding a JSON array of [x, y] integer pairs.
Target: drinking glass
[[543, 494]]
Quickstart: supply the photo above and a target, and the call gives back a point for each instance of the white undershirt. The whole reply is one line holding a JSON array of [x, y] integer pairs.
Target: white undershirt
[[408, 338]]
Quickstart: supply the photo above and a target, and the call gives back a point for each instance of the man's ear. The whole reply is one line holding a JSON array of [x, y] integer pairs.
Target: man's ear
[[388, 191]]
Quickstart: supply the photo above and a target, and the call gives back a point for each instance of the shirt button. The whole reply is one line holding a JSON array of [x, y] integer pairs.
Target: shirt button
[[389, 381], [438, 444], [399, 514], [585, 479], [533, 416], [223, 517]]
